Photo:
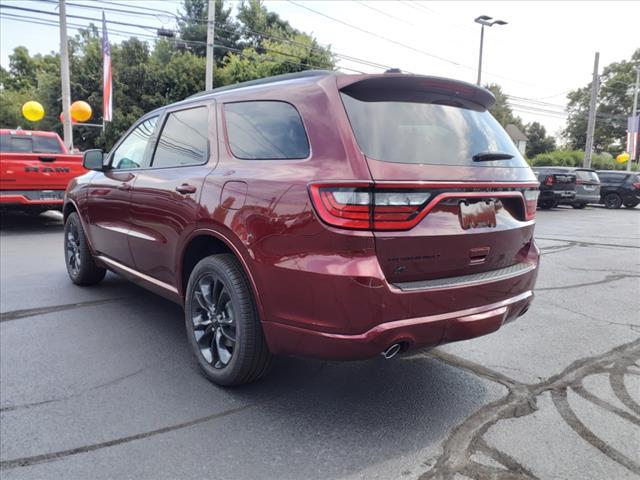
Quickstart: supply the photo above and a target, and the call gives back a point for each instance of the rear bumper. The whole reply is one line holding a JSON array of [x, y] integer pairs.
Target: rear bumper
[[32, 198], [349, 318], [410, 333]]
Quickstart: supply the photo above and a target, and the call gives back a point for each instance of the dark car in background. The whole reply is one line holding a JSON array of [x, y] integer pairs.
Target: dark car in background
[[587, 188], [619, 188], [315, 214], [556, 186]]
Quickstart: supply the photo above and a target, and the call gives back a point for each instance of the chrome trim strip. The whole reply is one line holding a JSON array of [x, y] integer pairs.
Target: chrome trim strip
[[127, 231], [142, 276], [466, 280]]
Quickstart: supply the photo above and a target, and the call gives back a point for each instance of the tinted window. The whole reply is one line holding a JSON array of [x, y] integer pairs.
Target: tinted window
[[427, 133], [265, 131], [31, 144], [587, 175], [610, 178], [183, 140], [130, 153]]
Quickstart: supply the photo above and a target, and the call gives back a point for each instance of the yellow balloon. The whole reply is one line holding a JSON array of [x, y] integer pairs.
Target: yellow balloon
[[80, 111], [33, 111], [622, 158]]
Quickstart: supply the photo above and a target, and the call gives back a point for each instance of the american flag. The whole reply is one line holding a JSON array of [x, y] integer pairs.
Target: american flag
[[107, 92], [633, 136]]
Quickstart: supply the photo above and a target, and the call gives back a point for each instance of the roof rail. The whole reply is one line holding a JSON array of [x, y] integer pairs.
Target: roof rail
[[267, 80]]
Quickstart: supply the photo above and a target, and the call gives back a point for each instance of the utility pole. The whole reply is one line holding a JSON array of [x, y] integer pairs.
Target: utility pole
[[211, 21], [64, 75], [633, 116], [591, 125]]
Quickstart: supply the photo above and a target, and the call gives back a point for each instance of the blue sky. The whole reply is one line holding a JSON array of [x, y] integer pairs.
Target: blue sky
[[545, 50]]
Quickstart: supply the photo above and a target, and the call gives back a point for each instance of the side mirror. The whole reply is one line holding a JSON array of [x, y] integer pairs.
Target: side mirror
[[93, 160]]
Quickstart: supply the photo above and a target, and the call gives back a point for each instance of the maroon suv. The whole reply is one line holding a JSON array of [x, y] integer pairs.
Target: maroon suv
[[315, 214]]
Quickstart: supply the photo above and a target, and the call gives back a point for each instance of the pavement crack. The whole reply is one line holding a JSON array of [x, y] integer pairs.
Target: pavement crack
[[47, 457], [468, 437], [608, 279], [10, 408], [31, 312], [580, 243]]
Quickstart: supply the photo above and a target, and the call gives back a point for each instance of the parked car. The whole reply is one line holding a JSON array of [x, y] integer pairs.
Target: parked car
[[556, 186], [587, 188], [35, 169], [315, 214], [619, 188]]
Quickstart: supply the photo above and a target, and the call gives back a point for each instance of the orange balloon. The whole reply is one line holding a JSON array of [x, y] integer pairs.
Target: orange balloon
[[80, 111]]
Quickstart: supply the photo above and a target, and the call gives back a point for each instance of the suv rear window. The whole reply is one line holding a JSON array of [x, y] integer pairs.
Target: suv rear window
[[265, 130], [29, 144], [427, 133], [587, 175]]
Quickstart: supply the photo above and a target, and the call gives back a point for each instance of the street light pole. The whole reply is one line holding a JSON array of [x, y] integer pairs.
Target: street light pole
[[480, 60], [210, 62], [633, 116], [485, 20], [64, 76]]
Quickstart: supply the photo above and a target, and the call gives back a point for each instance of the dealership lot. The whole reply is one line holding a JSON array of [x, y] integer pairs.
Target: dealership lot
[[99, 382]]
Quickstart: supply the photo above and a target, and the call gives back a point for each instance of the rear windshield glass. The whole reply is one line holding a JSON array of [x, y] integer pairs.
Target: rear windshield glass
[[24, 144], [587, 175], [427, 133]]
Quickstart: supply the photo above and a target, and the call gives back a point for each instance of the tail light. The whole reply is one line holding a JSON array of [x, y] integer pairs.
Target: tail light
[[369, 208], [549, 181], [636, 185], [531, 202]]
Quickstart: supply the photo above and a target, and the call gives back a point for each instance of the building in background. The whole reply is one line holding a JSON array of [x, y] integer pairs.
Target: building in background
[[519, 138]]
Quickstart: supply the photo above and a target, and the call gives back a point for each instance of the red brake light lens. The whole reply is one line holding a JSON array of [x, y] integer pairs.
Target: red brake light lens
[[531, 202], [367, 208], [636, 186], [549, 181]]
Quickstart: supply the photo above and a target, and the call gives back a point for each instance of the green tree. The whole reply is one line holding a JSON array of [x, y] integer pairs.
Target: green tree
[[537, 140], [501, 109], [613, 106]]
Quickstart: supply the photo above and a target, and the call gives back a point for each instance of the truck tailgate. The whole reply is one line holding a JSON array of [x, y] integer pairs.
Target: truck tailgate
[[38, 171]]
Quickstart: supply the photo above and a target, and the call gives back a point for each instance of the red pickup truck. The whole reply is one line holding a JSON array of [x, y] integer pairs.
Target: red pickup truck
[[35, 169]]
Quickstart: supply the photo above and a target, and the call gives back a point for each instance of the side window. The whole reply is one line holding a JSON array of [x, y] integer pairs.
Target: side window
[[130, 153], [183, 140], [265, 130]]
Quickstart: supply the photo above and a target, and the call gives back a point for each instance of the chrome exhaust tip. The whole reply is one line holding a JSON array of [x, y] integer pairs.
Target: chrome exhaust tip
[[391, 351]]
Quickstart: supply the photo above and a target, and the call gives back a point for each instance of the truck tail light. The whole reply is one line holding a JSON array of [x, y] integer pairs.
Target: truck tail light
[[361, 207], [531, 203], [636, 185], [549, 181]]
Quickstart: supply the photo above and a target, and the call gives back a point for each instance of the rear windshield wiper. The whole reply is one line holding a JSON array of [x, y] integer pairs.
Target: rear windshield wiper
[[488, 156]]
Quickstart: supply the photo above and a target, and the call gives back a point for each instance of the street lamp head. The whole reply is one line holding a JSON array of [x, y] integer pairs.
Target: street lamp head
[[483, 19], [499, 22]]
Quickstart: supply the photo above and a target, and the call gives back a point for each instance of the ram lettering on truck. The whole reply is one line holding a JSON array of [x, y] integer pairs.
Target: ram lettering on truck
[[35, 169]]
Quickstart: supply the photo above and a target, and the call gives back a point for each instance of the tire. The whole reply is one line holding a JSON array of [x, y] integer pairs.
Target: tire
[[612, 200], [555, 203], [81, 267], [222, 323], [578, 206], [546, 205], [630, 205]]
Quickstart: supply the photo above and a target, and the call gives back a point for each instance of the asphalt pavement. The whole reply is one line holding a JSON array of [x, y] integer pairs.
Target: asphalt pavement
[[99, 382]]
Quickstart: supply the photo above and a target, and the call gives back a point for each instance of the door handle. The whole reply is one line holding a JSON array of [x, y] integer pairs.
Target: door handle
[[124, 186], [185, 188]]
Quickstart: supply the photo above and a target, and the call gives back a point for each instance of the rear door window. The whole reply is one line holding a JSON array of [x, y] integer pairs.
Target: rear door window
[[427, 133], [183, 140], [265, 130]]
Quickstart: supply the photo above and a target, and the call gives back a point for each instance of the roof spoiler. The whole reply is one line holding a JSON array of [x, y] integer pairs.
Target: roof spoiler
[[415, 88]]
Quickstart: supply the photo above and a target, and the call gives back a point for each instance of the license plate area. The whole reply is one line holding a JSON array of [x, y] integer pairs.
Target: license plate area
[[51, 194], [480, 214]]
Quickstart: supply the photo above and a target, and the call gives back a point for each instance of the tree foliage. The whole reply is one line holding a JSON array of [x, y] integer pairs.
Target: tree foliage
[[614, 105], [537, 140], [254, 44], [501, 109]]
